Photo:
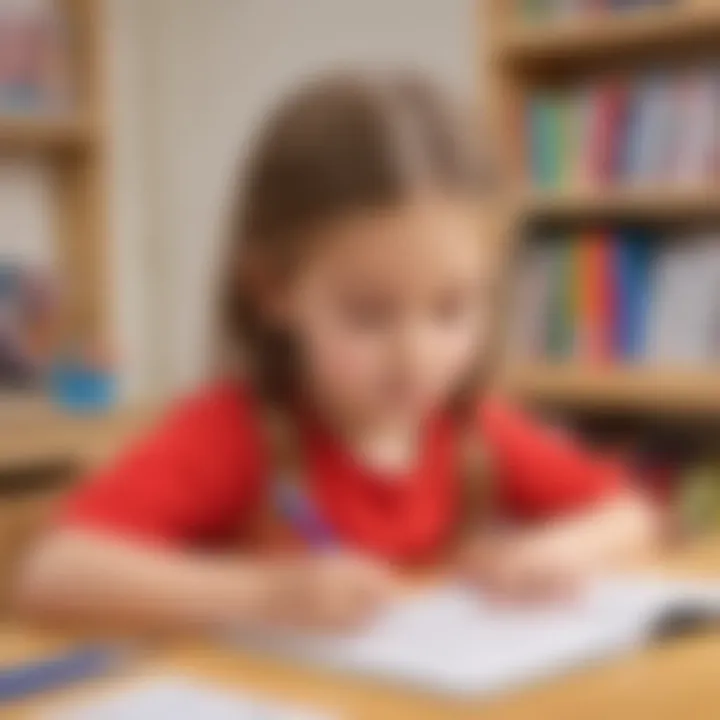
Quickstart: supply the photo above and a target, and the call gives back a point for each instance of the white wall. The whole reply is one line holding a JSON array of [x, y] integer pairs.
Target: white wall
[[198, 80], [129, 207]]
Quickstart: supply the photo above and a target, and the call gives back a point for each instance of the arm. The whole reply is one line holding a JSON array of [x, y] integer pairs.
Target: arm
[[119, 553], [574, 514], [78, 575], [115, 553], [555, 558], [616, 532], [117, 550]]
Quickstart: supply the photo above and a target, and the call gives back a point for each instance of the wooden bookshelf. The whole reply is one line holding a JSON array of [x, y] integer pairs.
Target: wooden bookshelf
[[652, 30], [644, 389], [524, 56], [75, 149], [623, 204], [49, 134]]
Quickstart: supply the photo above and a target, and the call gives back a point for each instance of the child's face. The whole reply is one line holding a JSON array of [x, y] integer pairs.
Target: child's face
[[391, 308]]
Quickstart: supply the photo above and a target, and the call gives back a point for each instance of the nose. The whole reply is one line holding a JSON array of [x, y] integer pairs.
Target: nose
[[416, 351]]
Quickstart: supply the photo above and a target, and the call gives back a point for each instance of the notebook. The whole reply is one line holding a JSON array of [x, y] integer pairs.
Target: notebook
[[447, 640], [179, 698]]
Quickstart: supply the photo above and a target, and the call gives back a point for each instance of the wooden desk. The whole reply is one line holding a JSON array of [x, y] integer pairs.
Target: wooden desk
[[681, 680], [37, 434]]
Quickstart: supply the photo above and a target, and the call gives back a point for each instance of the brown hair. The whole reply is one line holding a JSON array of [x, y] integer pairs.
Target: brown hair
[[341, 143]]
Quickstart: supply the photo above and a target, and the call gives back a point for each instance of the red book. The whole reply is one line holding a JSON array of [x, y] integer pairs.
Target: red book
[[597, 296], [589, 292], [606, 139]]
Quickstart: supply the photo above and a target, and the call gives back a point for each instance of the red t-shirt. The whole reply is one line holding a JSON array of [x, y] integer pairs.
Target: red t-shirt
[[200, 478]]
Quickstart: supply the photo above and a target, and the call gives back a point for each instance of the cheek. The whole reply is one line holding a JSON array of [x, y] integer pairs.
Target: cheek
[[459, 348], [337, 354]]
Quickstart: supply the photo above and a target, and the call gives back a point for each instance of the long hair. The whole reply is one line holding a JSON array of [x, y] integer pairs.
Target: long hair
[[342, 143]]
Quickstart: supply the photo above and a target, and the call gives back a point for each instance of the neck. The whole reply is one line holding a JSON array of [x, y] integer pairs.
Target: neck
[[389, 444]]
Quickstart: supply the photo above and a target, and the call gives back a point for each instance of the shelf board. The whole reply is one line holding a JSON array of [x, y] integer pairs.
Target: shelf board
[[45, 134], [34, 434], [641, 389], [612, 35], [650, 204]]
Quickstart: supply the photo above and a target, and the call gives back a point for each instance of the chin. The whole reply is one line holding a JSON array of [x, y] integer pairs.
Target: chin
[[411, 411]]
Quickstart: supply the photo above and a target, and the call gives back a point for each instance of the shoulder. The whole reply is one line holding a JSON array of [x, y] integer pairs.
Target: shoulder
[[222, 404], [499, 415], [223, 414], [189, 476], [514, 433]]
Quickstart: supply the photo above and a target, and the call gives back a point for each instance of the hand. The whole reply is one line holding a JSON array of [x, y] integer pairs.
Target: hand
[[334, 591], [543, 565]]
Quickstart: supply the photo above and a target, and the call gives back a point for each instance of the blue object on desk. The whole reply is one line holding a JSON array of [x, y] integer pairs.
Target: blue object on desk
[[83, 389], [19, 681]]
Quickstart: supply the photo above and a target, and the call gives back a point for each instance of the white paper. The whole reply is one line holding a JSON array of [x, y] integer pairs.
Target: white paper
[[447, 640], [179, 698]]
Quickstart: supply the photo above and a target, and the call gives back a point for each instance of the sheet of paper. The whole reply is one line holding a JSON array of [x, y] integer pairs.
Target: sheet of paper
[[179, 698], [450, 641]]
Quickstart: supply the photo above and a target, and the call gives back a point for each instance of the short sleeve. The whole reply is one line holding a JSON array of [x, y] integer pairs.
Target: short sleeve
[[543, 472], [192, 480]]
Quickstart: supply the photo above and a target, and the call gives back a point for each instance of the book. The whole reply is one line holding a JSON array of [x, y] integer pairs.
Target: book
[[560, 330], [624, 294], [634, 250], [657, 128], [685, 307], [530, 303], [595, 313], [35, 57], [699, 111], [558, 10], [545, 139]]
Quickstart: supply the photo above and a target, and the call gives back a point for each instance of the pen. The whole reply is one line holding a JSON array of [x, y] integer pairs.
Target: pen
[[295, 507]]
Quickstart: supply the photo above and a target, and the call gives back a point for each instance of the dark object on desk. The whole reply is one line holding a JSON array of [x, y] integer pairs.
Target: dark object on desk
[[681, 622]]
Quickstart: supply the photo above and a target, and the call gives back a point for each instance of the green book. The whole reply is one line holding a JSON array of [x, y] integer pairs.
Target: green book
[[561, 306], [568, 137], [537, 10], [546, 139]]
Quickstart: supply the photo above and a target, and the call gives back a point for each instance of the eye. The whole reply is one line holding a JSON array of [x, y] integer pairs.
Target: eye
[[454, 306], [367, 313]]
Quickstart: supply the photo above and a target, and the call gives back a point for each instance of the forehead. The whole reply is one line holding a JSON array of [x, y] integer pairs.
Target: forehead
[[417, 244]]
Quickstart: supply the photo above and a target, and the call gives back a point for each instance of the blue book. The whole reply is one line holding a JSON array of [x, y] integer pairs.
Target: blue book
[[634, 255], [623, 299]]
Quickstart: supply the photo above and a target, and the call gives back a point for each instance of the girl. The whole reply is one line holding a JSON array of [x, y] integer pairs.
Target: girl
[[360, 293]]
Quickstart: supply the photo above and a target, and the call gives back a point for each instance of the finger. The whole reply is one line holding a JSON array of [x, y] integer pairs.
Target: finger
[[548, 583]]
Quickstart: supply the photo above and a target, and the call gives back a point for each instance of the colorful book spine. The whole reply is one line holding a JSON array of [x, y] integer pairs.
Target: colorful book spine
[[640, 248], [564, 301], [595, 316], [546, 139], [537, 10], [608, 131], [656, 128]]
